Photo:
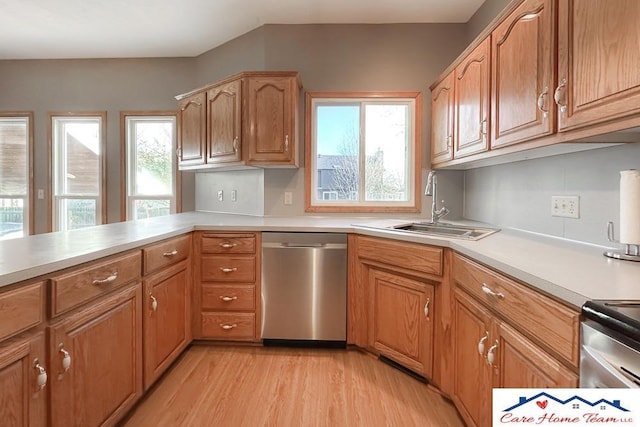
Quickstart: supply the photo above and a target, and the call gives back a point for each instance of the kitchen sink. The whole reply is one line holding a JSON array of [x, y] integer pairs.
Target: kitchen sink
[[446, 230]]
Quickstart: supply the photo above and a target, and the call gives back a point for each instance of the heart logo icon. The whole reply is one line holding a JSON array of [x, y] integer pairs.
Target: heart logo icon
[[542, 404]]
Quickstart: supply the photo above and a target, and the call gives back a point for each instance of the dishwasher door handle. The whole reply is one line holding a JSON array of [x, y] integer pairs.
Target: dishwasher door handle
[[286, 245]]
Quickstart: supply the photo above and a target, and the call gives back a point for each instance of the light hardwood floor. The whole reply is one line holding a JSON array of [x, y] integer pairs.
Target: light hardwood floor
[[258, 386]]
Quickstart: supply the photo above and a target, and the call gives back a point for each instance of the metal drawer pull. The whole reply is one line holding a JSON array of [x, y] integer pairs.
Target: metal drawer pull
[[154, 303], [487, 290], [235, 144], [109, 279], [541, 99], [481, 343], [227, 299], [558, 95], [41, 379], [426, 308], [490, 354], [228, 270], [227, 327], [228, 245], [66, 359], [170, 254]]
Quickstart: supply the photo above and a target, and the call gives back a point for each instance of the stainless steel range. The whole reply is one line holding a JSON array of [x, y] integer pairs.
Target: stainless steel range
[[610, 350]]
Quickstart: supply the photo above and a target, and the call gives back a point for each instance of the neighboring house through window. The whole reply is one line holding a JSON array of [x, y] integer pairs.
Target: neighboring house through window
[[151, 179], [363, 151], [78, 168], [16, 147]]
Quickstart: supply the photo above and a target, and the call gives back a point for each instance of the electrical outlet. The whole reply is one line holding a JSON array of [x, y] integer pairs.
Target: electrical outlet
[[565, 206], [220, 195], [288, 198], [40, 194], [234, 195]]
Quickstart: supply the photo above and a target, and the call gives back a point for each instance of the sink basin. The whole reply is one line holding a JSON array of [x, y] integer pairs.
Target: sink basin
[[446, 230]]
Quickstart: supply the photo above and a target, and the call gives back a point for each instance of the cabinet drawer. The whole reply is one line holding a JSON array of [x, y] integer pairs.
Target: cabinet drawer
[[228, 325], [411, 256], [550, 322], [165, 253], [21, 309], [71, 289], [229, 297], [228, 269], [228, 243]]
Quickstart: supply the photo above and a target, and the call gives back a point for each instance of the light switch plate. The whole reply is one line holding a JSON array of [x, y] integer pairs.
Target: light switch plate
[[565, 206], [288, 198]]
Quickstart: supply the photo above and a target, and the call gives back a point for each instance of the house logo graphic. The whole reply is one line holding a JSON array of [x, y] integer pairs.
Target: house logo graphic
[[562, 407]]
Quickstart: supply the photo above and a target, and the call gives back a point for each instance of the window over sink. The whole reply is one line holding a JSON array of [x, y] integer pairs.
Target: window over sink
[[362, 151]]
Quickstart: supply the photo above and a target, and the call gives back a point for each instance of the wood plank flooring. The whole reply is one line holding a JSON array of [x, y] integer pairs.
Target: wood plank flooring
[[267, 386]]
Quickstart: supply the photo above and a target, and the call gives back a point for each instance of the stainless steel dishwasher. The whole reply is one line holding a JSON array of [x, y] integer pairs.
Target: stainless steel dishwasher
[[304, 288]]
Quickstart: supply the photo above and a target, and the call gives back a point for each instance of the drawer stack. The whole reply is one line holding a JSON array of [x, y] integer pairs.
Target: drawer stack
[[229, 286]]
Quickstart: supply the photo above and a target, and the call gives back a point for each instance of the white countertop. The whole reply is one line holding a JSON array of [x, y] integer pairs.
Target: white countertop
[[570, 271]]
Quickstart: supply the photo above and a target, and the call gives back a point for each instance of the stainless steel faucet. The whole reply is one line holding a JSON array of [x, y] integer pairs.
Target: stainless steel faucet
[[432, 190]]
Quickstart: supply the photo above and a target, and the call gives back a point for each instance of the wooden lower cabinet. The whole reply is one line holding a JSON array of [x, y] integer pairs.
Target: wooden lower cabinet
[[22, 365], [95, 361], [402, 326], [167, 319], [488, 353]]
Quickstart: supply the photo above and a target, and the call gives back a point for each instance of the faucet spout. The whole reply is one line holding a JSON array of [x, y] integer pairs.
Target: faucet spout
[[431, 189]]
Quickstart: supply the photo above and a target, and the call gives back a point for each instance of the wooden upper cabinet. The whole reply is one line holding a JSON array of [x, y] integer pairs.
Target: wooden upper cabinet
[[272, 107], [442, 121], [598, 61], [523, 69], [192, 121], [224, 123], [472, 102]]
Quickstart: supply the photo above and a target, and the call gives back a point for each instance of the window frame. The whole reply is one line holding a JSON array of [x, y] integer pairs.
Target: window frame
[[28, 222], [125, 199], [101, 199], [310, 151]]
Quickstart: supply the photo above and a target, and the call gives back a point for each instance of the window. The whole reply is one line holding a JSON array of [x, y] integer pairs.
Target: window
[[16, 218], [151, 178], [362, 152], [77, 142]]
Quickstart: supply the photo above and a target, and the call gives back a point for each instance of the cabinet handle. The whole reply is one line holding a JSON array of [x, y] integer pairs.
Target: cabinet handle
[[235, 144], [228, 270], [491, 355], [228, 327], [170, 254], [487, 290], [426, 308], [228, 245], [483, 127], [286, 143], [179, 153], [227, 299], [66, 358], [41, 378], [558, 95], [154, 303], [449, 141], [109, 279], [481, 343], [541, 99]]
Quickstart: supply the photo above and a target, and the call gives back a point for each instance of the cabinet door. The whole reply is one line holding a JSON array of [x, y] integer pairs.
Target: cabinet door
[[96, 361], [192, 121], [402, 321], [224, 113], [523, 66], [598, 61], [167, 319], [442, 121], [272, 111], [518, 363], [472, 102], [22, 366], [472, 377]]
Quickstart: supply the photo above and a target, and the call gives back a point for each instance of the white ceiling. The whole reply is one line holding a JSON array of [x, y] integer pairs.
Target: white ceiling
[[38, 29]]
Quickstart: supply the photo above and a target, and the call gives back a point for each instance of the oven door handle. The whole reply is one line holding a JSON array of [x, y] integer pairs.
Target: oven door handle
[[610, 370]]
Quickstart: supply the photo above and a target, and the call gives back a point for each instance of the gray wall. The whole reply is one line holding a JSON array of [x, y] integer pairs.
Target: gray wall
[[332, 57], [483, 16], [110, 85]]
